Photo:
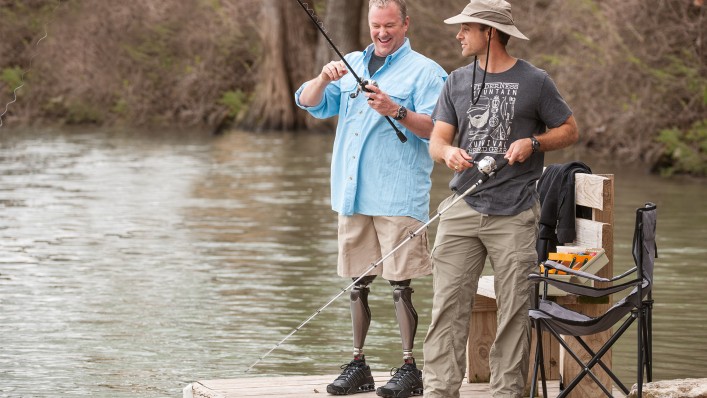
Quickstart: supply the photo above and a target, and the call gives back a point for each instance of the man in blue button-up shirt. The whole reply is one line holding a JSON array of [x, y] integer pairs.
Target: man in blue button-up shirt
[[379, 185]]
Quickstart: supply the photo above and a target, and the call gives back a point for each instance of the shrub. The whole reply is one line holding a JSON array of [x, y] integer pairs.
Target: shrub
[[685, 151]]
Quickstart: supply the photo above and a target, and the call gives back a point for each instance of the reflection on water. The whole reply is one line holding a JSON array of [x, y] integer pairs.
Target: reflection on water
[[133, 265]]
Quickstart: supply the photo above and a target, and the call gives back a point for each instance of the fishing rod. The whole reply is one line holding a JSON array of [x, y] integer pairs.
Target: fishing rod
[[361, 82], [488, 168]]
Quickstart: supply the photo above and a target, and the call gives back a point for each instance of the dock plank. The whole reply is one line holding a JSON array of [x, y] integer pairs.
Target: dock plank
[[305, 387]]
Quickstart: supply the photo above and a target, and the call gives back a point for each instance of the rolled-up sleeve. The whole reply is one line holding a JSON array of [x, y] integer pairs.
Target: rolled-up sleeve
[[329, 105]]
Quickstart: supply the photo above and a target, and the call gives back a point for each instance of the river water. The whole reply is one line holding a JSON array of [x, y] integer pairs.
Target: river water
[[132, 264]]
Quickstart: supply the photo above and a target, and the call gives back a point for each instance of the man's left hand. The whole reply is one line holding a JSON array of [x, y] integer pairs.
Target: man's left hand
[[519, 151], [381, 102]]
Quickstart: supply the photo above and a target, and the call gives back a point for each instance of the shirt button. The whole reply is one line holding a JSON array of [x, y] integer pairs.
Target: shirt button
[[350, 178]]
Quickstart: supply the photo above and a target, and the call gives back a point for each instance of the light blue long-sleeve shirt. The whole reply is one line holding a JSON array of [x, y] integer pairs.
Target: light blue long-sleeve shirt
[[372, 172]]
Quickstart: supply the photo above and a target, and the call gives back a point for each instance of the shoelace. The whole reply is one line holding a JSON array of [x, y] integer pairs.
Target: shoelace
[[349, 369], [400, 375]]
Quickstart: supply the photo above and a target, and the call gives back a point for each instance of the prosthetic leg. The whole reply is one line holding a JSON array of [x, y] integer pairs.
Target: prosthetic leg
[[406, 314], [356, 376], [360, 313], [407, 380]]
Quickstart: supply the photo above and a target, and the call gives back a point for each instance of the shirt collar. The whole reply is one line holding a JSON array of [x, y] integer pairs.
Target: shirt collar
[[399, 53]]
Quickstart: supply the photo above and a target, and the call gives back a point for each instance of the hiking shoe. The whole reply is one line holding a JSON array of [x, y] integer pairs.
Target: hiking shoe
[[406, 382], [355, 378]]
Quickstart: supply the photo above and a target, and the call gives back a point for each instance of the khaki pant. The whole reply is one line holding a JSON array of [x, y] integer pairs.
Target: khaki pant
[[464, 239]]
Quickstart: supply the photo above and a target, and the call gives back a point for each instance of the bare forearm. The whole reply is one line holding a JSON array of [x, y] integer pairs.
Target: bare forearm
[[438, 147], [313, 92], [559, 137], [419, 123]]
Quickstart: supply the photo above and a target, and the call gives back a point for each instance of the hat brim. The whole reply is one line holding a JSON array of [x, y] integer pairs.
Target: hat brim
[[510, 29]]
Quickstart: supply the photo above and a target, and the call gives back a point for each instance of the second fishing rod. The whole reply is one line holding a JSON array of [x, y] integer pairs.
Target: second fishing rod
[[362, 83]]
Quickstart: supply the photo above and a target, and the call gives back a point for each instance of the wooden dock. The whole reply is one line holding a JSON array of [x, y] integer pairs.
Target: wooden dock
[[307, 387]]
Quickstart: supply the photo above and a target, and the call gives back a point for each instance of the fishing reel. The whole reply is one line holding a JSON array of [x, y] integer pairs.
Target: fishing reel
[[488, 165], [362, 87]]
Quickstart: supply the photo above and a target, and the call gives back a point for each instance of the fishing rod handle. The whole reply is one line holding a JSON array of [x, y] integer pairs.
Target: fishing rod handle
[[399, 133]]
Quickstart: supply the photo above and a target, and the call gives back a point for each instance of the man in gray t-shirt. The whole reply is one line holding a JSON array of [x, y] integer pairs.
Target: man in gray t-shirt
[[503, 107]]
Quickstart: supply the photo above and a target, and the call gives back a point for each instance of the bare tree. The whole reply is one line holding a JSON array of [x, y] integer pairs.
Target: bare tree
[[288, 47], [343, 26]]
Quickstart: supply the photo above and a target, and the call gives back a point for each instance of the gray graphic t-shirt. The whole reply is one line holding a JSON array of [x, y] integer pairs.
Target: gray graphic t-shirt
[[515, 104]]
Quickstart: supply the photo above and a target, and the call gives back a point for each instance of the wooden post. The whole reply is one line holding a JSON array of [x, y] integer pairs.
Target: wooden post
[[482, 332], [604, 213]]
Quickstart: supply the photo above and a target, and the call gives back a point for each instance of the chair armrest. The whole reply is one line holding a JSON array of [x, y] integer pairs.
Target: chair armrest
[[549, 264], [583, 290]]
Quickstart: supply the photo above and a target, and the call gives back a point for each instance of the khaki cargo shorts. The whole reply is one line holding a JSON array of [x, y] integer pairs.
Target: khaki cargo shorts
[[363, 240]]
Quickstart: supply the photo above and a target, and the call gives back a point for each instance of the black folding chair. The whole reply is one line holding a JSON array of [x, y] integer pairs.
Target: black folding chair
[[637, 304]]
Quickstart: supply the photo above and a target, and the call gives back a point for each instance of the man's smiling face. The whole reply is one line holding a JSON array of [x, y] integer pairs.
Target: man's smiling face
[[387, 29]]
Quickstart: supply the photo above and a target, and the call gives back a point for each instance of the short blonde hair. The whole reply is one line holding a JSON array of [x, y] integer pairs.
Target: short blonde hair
[[384, 3]]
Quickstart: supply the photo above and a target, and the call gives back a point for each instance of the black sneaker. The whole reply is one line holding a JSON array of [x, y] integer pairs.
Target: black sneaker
[[406, 382], [355, 378]]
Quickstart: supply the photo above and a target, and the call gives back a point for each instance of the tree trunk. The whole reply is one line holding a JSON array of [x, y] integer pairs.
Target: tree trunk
[[343, 26], [288, 43], [342, 23]]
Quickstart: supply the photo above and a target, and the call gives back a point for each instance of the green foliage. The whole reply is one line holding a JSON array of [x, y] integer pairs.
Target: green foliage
[[75, 112], [83, 113], [685, 151], [153, 50], [235, 101], [12, 77], [120, 107]]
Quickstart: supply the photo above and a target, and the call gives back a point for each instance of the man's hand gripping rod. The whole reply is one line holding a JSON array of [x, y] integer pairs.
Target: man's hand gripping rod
[[361, 83], [488, 168]]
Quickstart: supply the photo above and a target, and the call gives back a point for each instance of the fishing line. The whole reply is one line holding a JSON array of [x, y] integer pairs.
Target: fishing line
[[361, 83], [487, 168], [26, 71]]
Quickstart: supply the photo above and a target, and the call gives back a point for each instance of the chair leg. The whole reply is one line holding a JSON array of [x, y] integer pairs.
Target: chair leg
[[601, 363], [641, 351], [534, 379], [543, 376], [539, 362], [649, 340], [586, 367], [596, 358]]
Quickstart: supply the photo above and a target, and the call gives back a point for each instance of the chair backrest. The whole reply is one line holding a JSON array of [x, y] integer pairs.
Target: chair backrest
[[645, 249], [644, 252]]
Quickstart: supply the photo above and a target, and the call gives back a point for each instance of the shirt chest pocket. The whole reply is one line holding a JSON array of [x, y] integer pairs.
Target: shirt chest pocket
[[401, 96], [348, 89]]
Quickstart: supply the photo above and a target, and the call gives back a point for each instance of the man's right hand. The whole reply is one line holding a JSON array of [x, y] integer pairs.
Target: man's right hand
[[314, 90], [457, 159], [333, 71]]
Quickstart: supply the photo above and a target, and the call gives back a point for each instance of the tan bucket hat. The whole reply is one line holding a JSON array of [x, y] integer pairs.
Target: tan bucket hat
[[494, 13]]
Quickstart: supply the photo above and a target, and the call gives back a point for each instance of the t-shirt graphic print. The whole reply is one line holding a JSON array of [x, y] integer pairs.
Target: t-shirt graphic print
[[491, 118]]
